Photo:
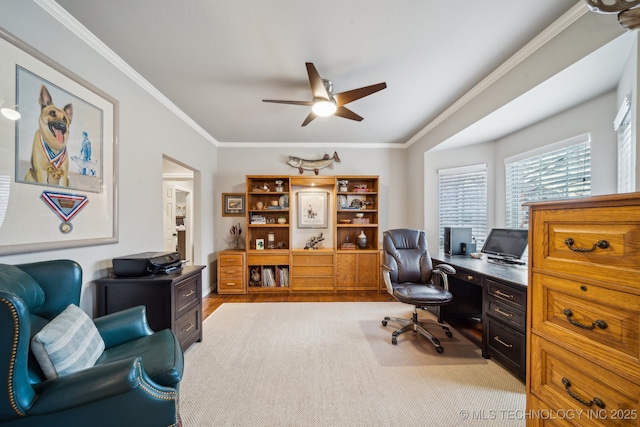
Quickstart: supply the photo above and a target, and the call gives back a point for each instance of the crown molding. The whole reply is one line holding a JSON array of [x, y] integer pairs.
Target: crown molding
[[79, 30], [562, 23]]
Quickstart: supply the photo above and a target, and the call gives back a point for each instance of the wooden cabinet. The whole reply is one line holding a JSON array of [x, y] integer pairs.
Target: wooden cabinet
[[357, 214], [232, 272], [584, 309], [357, 271], [273, 264], [172, 300]]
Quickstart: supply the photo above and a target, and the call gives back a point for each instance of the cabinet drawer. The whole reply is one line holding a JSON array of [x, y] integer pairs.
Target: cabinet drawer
[[616, 340], [618, 262], [233, 260], [231, 286], [507, 294], [559, 378], [324, 259], [187, 328], [313, 271], [508, 343], [507, 314], [268, 259], [187, 293], [312, 283], [230, 272]]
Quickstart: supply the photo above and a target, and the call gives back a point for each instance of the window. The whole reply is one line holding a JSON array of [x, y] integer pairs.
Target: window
[[558, 171], [463, 199], [626, 148]]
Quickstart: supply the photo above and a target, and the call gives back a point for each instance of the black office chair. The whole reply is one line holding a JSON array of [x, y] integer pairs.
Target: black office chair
[[408, 273]]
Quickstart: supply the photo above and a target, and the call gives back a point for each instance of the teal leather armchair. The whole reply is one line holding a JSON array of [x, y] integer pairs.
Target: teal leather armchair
[[135, 382]]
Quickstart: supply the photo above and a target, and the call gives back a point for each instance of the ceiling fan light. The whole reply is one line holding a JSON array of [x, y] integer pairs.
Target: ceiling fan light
[[10, 113], [324, 108]]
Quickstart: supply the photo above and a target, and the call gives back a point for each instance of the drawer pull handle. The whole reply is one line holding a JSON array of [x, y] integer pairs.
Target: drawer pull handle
[[191, 292], [188, 328], [595, 401], [469, 278], [497, 338], [499, 293], [602, 244], [599, 323], [504, 313]]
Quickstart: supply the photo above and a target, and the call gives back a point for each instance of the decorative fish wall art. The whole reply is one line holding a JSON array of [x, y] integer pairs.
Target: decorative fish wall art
[[313, 165]]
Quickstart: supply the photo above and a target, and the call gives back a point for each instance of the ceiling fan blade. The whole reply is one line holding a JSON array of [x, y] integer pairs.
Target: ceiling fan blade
[[351, 95], [317, 85], [309, 118], [347, 114], [278, 101]]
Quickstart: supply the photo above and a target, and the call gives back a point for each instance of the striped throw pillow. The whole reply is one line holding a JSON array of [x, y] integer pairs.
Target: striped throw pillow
[[69, 343]]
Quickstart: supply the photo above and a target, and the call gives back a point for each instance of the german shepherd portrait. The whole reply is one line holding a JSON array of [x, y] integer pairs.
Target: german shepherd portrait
[[49, 159]]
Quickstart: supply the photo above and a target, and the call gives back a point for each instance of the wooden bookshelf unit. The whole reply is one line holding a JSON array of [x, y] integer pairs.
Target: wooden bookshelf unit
[[276, 260]]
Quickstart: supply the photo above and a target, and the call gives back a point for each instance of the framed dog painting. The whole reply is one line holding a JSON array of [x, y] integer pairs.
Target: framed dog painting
[[59, 163]]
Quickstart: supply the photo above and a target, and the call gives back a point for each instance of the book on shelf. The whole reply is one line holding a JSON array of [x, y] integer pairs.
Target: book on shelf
[[258, 219]]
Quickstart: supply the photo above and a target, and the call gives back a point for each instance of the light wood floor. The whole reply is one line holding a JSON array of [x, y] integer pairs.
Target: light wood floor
[[213, 301]]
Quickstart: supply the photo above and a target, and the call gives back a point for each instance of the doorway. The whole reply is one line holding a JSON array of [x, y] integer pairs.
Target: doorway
[[178, 202]]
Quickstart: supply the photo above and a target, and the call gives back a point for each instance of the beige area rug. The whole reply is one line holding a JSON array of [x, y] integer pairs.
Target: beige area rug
[[329, 364]]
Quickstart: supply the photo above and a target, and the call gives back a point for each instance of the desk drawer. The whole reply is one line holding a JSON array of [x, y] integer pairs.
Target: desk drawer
[[507, 294], [467, 276], [551, 368], [508, 343], [616, 340], [507, 314]]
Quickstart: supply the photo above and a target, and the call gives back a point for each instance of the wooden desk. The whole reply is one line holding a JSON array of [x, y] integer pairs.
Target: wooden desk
[[489, 307], [173, 300]]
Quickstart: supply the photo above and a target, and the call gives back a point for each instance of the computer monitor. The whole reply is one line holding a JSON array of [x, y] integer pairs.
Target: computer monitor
[[506, 244]]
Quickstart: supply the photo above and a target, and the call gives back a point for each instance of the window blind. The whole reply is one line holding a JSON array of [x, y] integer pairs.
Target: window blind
[[558, 174], [463, 200], [626, 150]]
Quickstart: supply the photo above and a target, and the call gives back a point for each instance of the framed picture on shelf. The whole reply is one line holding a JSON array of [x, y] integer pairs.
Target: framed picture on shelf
[[313, 209], [260, 244], [233, 204]]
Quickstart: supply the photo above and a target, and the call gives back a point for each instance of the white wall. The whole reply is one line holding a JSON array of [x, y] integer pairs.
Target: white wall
[[147, 131]]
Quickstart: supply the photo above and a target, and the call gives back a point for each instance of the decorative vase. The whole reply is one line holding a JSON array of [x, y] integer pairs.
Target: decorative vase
[[282, 220], [259, 205], [361, 241]]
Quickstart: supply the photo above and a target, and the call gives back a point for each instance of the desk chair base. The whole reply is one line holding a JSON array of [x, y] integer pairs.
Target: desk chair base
[[416, 326]]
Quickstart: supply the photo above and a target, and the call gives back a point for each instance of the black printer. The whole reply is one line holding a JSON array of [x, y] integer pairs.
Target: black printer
[[147, 263]]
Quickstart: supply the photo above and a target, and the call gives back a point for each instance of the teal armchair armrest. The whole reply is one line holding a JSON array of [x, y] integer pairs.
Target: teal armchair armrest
[[123, 326], [123, 382]]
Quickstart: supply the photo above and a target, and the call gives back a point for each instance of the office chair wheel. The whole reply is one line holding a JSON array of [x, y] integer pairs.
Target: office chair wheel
[[448, 333], [394, 340], [384, 323], [439, 349]]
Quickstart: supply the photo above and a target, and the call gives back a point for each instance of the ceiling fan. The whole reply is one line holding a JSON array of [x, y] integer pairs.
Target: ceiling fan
[[325, 102]]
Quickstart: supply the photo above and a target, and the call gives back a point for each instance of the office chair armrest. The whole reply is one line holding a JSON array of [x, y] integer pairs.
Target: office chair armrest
[[443, 270], [446, 268], [386, 278]]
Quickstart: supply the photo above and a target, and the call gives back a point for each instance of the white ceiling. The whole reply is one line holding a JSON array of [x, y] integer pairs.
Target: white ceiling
[[216, 60]]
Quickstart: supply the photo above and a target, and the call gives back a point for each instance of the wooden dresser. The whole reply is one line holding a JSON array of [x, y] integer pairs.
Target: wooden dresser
[[173, 300], [583, 325]]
